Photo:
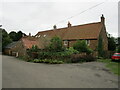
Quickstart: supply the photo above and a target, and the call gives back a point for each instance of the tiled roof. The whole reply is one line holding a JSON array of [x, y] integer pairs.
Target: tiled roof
[[28, 42], [11, 45], [86, 31]]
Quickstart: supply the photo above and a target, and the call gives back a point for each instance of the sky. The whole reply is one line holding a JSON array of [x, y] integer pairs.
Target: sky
[[32, 16]]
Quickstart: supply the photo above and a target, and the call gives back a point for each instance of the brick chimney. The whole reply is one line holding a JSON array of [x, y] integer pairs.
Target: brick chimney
[[102, 19], [54, 27], [29, 34], [69, 24]]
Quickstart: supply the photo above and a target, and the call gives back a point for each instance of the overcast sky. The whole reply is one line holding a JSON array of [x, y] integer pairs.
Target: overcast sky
[[33, 16]]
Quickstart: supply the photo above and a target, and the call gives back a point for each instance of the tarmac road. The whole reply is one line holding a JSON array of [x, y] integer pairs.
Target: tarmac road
[[21, 74]]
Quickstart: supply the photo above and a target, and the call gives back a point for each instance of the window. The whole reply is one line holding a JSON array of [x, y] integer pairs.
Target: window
[[44, 35], [88, 42], [65, 42]]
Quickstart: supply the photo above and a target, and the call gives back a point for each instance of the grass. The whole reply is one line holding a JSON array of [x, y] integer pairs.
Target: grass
[[112, 65]]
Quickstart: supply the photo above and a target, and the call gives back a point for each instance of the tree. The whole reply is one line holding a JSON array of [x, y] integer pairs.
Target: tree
[[16, 36], [100, 47], [81, 46], [111, 44], [5, 39], [118, 49], [55, 44], [13, 35]]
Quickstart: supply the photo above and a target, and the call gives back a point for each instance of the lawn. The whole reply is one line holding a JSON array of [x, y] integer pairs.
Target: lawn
[[112, 65]]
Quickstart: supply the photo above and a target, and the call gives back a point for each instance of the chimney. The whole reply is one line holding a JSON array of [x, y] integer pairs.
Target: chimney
[[69, 24], [29, 34], [102, 19], [54, 27]]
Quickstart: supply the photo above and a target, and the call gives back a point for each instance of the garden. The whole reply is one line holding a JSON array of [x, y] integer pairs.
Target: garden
[[56, 53]]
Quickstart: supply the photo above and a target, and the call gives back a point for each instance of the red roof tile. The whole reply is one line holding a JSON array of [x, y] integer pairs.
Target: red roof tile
[[86, 31]]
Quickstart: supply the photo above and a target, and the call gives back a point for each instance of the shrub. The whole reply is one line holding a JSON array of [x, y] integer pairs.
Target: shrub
[[50, 61], [55, 45], [82, 58], [81, 46]]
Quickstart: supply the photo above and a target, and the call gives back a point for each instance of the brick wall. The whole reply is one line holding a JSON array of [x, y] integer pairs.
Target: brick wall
[[103, 34]]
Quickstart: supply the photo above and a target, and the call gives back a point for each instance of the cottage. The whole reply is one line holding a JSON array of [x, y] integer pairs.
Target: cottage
[[90, 32], [20, 47]]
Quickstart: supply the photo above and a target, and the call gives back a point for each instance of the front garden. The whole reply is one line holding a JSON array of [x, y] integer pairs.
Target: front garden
[[56, 53]]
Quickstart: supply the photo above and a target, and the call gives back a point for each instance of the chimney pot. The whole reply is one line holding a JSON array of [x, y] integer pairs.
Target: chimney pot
[[54, 27], [102, 19], [29, 34], [69, 24]]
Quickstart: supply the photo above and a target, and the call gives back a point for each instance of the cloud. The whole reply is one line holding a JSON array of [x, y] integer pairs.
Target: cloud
[[38, 16]]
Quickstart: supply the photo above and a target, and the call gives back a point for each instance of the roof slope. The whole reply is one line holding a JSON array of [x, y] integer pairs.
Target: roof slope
[[28, 42], [86, 31], [11, 45]]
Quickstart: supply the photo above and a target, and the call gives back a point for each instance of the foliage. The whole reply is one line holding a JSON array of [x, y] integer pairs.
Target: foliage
[[111, 44], [71, 50], [25, 58], [113, 66], [16, 36], [34, 48], [82, 58], [55, 44], [13, 35], [5, 39], [50, 61], [100, 47], [118, 49], [81, 46]]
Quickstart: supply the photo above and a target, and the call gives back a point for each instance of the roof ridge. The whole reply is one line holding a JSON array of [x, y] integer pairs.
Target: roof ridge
[[67, 27]]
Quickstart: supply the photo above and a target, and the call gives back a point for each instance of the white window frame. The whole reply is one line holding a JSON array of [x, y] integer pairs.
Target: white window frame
[[66, 42], [44, 35], [88, 42]]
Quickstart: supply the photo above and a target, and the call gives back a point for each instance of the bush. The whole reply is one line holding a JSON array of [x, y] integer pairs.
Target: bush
[[25, 58], [55, 45], [82, 58], [81, 46], [50, 61]]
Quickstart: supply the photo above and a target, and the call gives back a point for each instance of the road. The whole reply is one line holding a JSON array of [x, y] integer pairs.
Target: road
[[21, 74]]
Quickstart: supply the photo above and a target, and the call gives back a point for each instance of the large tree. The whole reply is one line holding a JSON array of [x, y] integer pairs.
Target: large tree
[[13, 35], [5, 38], [16, 36], [111, 44]]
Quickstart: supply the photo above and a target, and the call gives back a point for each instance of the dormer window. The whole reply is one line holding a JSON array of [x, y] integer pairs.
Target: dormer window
[[65, 42]]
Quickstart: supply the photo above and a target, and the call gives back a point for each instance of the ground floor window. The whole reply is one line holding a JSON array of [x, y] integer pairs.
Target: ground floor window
[[65, 42], [88, 42]]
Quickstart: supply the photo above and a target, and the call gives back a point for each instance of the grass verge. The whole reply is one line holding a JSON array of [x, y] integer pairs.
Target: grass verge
[[112, 65]]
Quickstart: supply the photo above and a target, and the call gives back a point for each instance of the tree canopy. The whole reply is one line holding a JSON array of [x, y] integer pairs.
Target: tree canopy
[[111, 44], [15, 36], [5, 38]]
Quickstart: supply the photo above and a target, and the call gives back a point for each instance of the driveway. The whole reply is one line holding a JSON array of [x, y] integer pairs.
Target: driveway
[[21, 74]]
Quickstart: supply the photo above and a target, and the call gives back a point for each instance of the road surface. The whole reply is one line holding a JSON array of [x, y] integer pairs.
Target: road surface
[[21, 74]]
